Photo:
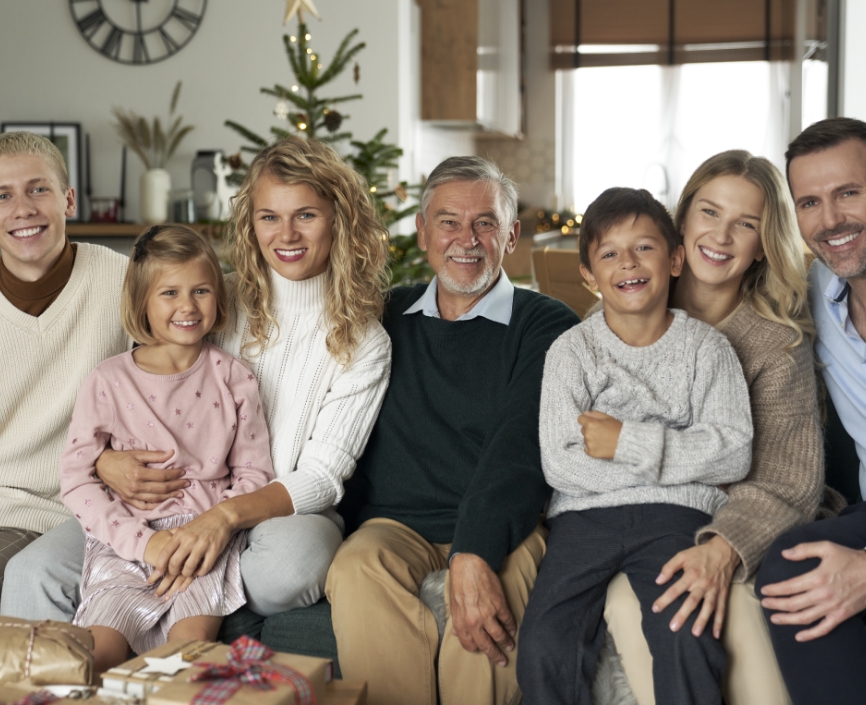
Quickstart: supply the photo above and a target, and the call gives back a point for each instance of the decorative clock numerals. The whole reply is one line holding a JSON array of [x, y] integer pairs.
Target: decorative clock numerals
[[137, 31]]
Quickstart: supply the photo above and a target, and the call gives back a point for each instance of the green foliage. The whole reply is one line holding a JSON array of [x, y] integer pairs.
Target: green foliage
[[312, 116]]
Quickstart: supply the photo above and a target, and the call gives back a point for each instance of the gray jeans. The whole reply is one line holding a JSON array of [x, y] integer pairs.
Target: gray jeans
[[283, 567]]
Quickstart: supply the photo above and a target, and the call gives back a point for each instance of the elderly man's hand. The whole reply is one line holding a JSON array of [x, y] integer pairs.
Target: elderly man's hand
[[479, 611], [600, 434], [832, 593], [126, 472]]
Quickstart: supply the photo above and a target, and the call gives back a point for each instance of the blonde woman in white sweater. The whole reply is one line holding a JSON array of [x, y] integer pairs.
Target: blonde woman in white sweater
[[310, 258]]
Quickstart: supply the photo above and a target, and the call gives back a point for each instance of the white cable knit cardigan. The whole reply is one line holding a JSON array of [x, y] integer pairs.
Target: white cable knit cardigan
[[43, 361], [320, 413]]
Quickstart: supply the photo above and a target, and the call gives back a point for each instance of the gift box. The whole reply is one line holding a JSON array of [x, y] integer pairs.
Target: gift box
[[245, 673], [44, 653], [60, 695], [137, 679]]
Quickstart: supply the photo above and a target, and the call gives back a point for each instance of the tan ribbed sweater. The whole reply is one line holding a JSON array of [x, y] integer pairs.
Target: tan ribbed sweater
[[42, 363], [786, 479]]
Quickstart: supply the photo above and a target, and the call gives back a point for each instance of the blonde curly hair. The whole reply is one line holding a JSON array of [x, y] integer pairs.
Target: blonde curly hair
[[775, 286], [357, 265]]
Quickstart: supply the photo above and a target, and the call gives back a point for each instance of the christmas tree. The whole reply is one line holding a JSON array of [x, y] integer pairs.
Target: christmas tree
[[306, 113]]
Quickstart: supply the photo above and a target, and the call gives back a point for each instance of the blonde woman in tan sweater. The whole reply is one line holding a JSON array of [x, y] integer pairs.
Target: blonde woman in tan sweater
[[745, 274]]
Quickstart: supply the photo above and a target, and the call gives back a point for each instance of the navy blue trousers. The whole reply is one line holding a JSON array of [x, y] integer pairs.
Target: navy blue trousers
[[563, 627], [832, 668]]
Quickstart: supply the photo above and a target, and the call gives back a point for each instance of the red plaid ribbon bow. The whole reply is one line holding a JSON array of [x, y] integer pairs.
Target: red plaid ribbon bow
[[248, 664]]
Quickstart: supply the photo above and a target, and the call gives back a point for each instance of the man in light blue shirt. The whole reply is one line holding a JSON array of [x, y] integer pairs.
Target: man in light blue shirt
[[813, 580]]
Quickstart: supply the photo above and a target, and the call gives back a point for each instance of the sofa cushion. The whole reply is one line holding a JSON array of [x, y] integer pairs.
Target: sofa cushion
[[307, 631]]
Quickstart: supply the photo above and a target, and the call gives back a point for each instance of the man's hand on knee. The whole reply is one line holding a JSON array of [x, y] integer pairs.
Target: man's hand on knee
[[479, 611], [830, 594]]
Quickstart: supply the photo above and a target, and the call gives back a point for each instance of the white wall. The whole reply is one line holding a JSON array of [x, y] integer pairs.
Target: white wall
[[853, 99], [51, 74]]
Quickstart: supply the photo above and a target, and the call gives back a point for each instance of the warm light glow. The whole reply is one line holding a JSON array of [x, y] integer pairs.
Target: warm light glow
[[312, 57], [373, 189], [302, 126], [293, 39], [564, 229], [570, 222], [319, 65], [540, 214], [309, 51], [555, 217], [294, 88], [308, 36]]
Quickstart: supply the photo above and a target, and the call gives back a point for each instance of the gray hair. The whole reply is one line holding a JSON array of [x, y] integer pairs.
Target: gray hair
[[471, 169]]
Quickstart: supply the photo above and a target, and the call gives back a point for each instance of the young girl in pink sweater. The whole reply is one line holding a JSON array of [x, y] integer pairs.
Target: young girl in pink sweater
[[174, 392]]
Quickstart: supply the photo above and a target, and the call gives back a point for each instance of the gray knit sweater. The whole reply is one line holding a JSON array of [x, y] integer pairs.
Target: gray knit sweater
[[684, 405]]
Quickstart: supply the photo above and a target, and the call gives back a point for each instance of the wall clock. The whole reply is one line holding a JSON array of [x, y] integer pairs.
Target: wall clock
[[137, 31]]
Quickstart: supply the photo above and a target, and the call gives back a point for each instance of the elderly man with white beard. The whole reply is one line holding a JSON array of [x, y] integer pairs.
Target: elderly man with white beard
[[451, 477]]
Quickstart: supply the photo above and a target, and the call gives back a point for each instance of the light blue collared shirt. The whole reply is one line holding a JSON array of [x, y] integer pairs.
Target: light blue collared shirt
[[843, 353], [496, 305]]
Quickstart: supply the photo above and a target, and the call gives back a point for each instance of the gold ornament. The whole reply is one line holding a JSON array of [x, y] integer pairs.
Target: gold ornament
[[294, 7]]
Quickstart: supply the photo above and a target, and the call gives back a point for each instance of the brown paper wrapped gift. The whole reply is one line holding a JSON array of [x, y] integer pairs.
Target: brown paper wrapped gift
[[176, 689], [128, 677], [44, 653], [9, 695]]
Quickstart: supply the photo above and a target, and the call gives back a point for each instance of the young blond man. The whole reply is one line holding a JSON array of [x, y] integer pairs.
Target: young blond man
[[644, 415], [59, 318]]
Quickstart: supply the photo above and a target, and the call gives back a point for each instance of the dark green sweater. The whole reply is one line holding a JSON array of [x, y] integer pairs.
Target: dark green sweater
[[454, 453]]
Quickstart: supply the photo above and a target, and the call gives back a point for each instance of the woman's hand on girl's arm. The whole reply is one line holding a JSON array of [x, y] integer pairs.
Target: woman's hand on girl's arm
[[127, 474], [707, 571]]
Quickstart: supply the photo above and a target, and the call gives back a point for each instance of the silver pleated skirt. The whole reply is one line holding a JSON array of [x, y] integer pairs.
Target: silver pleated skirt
[[115, 593]]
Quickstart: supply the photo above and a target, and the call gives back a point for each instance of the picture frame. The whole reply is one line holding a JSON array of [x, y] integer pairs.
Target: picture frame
[[67, 137]]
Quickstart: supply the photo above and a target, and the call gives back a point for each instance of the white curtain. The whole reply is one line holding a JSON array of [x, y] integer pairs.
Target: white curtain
[[651, 126]]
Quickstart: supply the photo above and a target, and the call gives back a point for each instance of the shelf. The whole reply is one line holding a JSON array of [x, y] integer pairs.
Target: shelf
[[123, 229]]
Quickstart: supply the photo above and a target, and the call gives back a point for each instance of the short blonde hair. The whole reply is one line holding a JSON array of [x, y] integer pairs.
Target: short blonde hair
[[357, 264], [776, 285], [14, 143], [159, 246]]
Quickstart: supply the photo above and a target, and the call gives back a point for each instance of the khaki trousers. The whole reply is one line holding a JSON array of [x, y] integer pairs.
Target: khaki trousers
[[388, 637], [752, 676]]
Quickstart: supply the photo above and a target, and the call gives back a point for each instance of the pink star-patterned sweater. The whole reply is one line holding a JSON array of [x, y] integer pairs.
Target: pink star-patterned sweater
[[210, 416]]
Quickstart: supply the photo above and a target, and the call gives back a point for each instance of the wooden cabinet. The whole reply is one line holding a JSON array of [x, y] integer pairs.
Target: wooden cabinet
[[471, 64]]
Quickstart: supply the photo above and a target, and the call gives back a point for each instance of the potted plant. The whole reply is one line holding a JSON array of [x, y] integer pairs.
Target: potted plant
[[155, 146]]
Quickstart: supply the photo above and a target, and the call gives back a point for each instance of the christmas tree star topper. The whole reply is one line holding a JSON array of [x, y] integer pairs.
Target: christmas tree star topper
[[297, 6]]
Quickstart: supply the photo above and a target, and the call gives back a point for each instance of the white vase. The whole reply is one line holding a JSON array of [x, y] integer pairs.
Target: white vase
[[155, 190]]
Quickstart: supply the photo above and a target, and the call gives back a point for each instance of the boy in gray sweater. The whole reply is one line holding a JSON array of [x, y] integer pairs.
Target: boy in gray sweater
[[644, 419]]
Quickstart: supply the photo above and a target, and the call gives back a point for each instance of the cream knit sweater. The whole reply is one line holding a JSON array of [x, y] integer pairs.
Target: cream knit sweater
[[320, 413], [43, 361]]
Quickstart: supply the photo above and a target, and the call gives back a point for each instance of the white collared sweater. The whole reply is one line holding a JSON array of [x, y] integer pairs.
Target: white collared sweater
[[319, 412], [43, 361]]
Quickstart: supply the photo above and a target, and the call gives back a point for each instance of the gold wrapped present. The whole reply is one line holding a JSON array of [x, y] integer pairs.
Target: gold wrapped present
[[60, 695], [245, 673], [44, 653]]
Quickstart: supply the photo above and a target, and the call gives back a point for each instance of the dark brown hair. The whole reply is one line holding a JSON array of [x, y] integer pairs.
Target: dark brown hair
[[823, 135], [614, 206]]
